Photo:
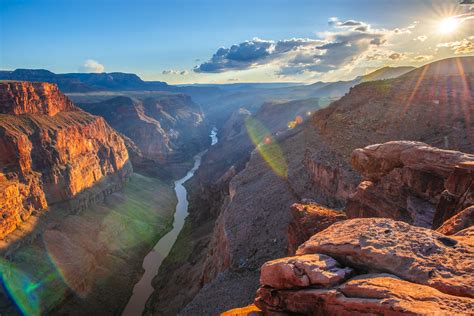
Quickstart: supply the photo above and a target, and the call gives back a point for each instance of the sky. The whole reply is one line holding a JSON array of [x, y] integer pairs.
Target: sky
[[211, 41]]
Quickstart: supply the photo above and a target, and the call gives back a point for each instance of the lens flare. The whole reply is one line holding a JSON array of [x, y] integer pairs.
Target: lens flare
[[266, 146], [74, 264], [20, 288], [135, 218]]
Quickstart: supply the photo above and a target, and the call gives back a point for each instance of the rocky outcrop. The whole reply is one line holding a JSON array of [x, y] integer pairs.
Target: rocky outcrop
[[462, 220], [303, 271], [53, 154], [401, 269], [309, 219], [371, 294], [413, 253], [411, 181]]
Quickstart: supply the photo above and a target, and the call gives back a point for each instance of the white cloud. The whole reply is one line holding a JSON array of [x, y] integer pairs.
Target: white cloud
[[349, 42], [421, 58], [175, 72], [421, 38], [463, 46], [91, 65], [465, 16]]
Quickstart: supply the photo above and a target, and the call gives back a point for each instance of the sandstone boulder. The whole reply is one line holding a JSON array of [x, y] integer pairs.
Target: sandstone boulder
[[375, 161], [412, 182], [466, 236], [412, 253], [370, 294], [303, 271]]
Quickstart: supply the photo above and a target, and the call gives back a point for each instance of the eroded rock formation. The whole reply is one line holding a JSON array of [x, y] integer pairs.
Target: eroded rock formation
[[52, 152], [32, 97], [395, 269], [412, 182]]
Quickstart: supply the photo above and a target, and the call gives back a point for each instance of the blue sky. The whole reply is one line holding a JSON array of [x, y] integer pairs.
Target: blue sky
[[165, 40]]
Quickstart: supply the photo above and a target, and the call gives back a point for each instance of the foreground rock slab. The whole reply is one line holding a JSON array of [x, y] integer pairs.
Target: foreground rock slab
[[412, 253], [371, 294]]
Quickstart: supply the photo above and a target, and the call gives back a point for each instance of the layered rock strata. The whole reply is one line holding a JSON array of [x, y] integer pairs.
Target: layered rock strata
[[375, 266], [412, 182], [52, 152]]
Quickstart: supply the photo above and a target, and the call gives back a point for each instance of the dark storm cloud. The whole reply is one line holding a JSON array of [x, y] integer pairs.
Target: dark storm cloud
[[240, 56]]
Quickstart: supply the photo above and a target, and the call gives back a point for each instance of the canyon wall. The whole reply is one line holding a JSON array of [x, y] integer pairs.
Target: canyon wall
[[434, 109], [162, 131], [208, 191], [33, 97], [52, 152]]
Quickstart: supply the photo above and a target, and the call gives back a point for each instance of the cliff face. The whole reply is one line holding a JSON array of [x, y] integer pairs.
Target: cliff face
[[52, 152], [32, 97], [163, 129]]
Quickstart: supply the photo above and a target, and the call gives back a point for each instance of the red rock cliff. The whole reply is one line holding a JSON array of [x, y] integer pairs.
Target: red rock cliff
[[52, 153], [32, 97], [412, 182]]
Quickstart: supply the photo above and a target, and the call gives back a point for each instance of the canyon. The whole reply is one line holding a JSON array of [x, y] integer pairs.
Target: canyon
[[161, 130], [72, 204], [240, 216], [343, 198]]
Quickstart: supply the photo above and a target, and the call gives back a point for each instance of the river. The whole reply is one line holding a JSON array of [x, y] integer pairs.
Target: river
[[152, 262]]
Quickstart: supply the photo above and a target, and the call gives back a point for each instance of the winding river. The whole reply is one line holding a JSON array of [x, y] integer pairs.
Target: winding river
[[143, 289]]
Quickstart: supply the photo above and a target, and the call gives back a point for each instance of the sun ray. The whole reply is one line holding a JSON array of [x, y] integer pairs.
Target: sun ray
[[415, 89]]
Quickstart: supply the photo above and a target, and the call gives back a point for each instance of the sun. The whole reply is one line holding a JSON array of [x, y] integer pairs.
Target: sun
[[448, 25]]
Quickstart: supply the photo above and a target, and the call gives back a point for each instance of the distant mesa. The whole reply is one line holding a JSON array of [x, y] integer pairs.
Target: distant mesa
[[85, 82]]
